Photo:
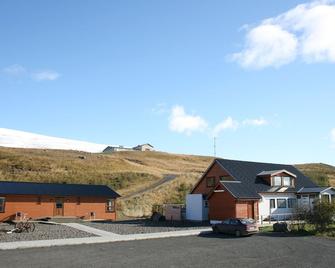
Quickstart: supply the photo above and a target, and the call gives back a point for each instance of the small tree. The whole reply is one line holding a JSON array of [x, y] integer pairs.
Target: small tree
[[322, 215]]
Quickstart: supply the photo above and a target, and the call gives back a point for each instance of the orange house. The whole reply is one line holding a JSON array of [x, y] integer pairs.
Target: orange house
[[41, 200]]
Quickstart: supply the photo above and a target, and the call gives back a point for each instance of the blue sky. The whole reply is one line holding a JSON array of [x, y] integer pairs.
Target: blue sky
[[258, 75]]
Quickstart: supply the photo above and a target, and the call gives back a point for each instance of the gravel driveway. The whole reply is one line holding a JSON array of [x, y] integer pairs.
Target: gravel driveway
[[42, 232], [145, 226]]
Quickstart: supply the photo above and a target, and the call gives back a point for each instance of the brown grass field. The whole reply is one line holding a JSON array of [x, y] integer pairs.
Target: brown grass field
[[125, 172]]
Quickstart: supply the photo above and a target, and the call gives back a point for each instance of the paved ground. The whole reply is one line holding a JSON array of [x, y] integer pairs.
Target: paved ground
[[42, 232], [203, 251], [145, 226]]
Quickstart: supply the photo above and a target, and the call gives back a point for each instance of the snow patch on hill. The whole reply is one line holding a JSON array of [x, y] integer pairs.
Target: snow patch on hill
[[21, 139]]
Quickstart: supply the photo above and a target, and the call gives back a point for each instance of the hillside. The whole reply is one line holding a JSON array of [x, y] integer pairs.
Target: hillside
[[144, 178]]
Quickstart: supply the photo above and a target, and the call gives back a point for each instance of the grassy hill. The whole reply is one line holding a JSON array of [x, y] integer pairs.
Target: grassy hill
[[127, 172]]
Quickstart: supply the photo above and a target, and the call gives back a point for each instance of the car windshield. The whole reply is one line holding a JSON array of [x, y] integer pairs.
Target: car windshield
[[247, 221]]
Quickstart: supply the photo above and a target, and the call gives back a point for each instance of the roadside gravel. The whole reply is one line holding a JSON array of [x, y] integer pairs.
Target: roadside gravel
[[42, 232], [145, 226]]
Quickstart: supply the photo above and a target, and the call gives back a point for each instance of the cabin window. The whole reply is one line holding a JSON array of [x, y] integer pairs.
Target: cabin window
[[210, 181], [78, 201], [277, 181], [281, 203], [110, 205], [272, 203], [39, 200], [2, 204], [291, 202]]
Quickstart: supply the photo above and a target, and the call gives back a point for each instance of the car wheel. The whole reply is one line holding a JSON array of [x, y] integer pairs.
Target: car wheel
[[237, 233]]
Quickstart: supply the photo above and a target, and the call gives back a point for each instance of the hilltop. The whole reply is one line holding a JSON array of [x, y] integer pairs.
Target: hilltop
[[143, 178]]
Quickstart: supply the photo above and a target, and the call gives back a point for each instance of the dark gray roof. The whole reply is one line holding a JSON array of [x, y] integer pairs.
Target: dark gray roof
[[312, 190], [240, 190], [251, 184], [55, 189]]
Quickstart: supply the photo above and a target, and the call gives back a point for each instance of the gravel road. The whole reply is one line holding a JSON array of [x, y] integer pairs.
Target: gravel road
[[42, 232], [144, 226]]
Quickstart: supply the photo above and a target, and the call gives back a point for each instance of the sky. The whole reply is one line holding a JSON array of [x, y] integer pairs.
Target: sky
[[257, 75]]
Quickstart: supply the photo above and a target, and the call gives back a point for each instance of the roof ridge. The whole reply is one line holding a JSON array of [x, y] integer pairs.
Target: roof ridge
[[53, 183], [253, 162]]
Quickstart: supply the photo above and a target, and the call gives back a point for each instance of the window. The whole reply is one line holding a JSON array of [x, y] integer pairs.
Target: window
[[39, 200], [226, 221], [234, 222], [272, 203], [206, 203], [78, 201], [110, 205], [291, 203], [2, 204], [325, 198], [281, 203], [210, 181], [277, 181], [286, 181]]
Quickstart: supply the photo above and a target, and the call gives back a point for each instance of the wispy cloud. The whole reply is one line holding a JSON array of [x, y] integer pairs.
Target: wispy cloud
[[48, 75], [160, 108], [306, 32], [19, 71], [255, 122], [14, 70], [185, 123], [228, 123]]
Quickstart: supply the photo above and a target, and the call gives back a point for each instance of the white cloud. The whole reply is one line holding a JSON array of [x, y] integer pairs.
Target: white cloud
[[332, 135], [255, 122], [267, 45], [14, 70], [185, 123], [306, 31], [45, 75], [228, 123]]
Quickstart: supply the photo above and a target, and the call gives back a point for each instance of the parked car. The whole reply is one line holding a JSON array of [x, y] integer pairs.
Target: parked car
[[236, 226]]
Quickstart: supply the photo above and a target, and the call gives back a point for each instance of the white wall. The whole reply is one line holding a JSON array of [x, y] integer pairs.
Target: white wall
[[194, 207], [264, 204]]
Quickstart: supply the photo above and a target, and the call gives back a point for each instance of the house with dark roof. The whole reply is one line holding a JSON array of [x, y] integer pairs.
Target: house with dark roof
[[241, 189], [41, 200]]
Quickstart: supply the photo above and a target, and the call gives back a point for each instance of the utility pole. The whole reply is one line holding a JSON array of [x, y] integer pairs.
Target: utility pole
[[214, 146]]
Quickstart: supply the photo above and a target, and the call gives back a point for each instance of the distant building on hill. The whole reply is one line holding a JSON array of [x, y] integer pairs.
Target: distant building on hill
[[119, 148], [111, 149], [144, 147]]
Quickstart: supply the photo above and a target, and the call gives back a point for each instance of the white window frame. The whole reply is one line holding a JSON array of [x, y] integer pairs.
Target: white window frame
[[289, 181], [274, 203], [293, 202], [275, 182], [110, 205], [281, 200]]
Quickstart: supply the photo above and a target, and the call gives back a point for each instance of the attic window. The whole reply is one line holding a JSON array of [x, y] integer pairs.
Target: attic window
[[210, 181], [284, 181]]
